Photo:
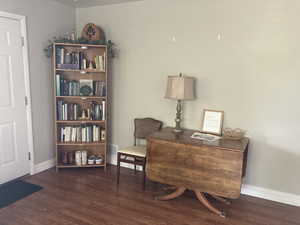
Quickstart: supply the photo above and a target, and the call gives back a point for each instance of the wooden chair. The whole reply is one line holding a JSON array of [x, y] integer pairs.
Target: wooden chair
[[136, 154]]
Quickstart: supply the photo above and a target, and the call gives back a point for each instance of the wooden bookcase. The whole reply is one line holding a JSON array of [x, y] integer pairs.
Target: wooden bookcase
[[65, 76]]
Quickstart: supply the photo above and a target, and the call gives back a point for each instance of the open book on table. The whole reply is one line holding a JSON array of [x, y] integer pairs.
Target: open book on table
[[205, 137]]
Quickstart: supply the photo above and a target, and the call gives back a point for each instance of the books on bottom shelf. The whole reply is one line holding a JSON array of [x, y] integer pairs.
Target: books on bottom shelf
[[82, 134]]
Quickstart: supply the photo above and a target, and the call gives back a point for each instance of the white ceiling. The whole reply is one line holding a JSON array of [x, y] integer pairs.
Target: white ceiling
[[90, 3]]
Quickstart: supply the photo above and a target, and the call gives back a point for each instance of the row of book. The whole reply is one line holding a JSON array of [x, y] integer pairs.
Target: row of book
[[63, 57], [74, 88], [99, 88], [82, 134], [78, 60], [73, 111], [99, 62]]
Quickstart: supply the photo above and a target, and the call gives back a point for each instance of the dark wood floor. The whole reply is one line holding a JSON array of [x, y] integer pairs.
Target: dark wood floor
[[90, 197]]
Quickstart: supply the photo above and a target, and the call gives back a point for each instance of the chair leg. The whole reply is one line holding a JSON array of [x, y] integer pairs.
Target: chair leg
[[134, 169], [118, 168], [144, 175]]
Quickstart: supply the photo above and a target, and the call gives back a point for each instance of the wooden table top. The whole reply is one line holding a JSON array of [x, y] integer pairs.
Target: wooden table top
[[167, 134]]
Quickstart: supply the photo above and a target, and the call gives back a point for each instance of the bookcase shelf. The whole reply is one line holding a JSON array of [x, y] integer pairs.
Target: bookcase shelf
[[80, 118], [80, 71], [81, 144], [81, 45], [77, 166], [82, 97], [80, 121]]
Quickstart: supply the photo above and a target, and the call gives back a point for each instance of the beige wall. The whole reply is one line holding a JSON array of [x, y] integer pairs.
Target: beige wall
[[252, 73], [45, 19]]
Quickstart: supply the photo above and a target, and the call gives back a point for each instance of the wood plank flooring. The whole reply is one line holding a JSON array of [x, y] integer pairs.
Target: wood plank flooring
[[90, 197]]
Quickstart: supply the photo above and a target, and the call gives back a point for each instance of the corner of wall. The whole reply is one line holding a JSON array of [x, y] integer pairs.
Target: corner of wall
[[40, 167]]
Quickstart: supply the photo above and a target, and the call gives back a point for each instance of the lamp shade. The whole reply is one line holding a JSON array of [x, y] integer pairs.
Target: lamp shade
[[180, 88]]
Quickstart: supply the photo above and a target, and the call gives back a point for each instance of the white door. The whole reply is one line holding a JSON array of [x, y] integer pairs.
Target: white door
[[14, 148]]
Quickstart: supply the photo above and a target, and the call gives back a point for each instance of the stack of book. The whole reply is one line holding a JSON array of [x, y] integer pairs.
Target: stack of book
[[100, 62], [72, 111], [77, 60], [98, 111], [67, 111], [66, 87], [72, 87], [84, 133], [67, 60], [59, 56], [99, 88]]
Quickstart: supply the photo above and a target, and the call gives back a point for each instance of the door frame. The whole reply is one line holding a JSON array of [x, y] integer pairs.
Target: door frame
[[23, 23]]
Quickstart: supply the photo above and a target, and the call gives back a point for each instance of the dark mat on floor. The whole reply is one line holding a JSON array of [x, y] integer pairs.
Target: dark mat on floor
[[16, 190]]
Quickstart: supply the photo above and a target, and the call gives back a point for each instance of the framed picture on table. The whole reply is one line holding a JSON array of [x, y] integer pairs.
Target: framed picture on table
[[212, 122]]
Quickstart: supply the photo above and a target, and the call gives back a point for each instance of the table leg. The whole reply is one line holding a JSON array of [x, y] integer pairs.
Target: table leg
[[201, 197], [169, 188], [175, 194], [224, 200]]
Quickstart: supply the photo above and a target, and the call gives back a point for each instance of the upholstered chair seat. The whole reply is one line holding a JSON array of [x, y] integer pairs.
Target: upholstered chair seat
[[139, 150]]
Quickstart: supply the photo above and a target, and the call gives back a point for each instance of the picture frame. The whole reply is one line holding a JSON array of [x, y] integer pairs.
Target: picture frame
[[212, 121]]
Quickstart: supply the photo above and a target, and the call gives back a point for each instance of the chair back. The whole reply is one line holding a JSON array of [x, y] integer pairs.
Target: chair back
[[143, 127]]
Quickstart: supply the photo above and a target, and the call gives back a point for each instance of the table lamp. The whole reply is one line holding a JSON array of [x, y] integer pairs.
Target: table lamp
[[180, 88]]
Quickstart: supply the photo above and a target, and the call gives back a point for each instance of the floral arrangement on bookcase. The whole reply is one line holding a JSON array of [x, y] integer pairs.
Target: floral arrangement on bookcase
[[91, 34], [72, 39]]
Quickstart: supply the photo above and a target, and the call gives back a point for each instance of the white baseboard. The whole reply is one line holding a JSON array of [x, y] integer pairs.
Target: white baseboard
[[43, 166], [112, 158], [277, 196]]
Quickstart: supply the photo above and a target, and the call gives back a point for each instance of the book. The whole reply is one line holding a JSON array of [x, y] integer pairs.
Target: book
[[62, 56], [57, 85], [205, 137], [103, 110], [73, 137], [102, 135], [104, 62], [57, 55], [82, 134]]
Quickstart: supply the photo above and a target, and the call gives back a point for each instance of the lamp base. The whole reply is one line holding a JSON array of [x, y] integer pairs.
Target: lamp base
[[177, 131]]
